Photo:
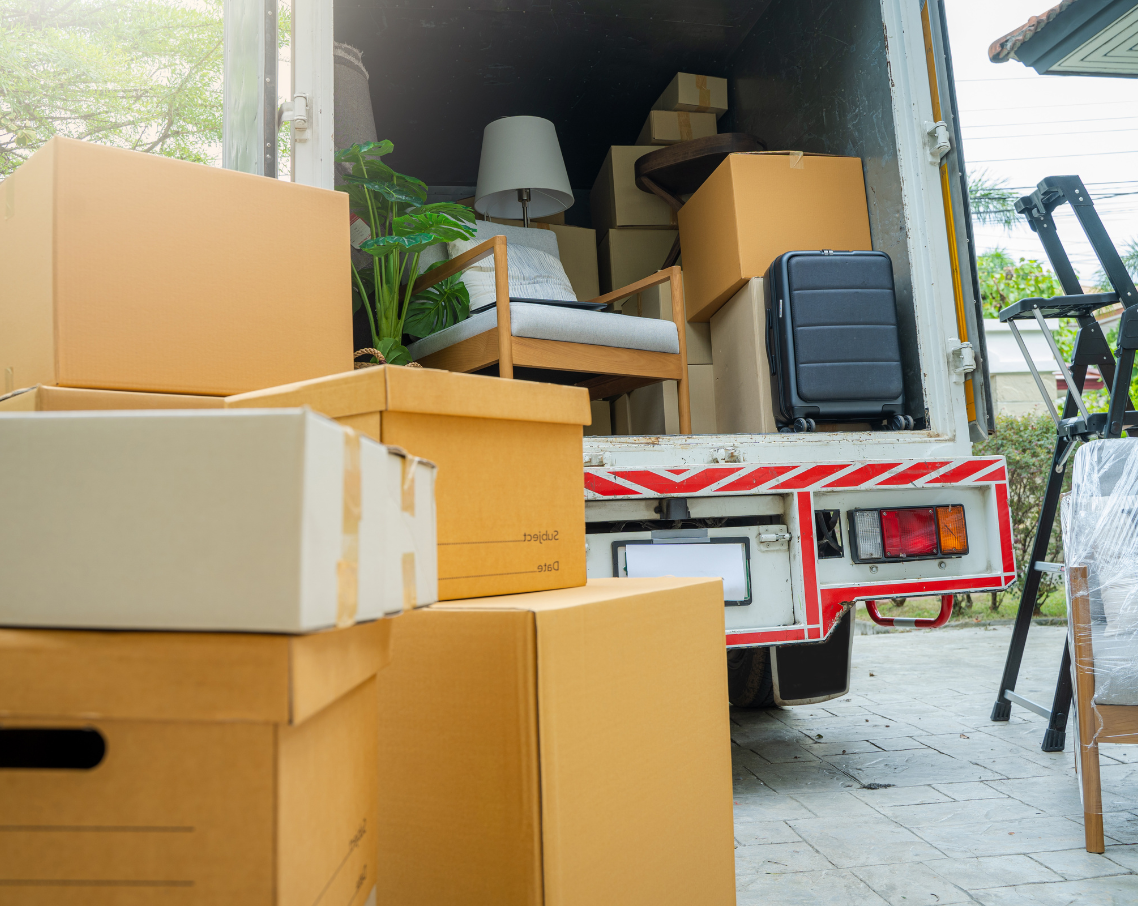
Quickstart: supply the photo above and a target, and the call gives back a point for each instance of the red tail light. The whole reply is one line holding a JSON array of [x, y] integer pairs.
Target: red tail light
[[908, 533]]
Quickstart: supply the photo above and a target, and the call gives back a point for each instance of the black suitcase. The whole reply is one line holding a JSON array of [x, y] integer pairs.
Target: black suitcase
[[832, 340]]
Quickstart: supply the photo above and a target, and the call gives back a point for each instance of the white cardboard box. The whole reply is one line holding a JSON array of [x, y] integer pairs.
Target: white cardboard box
[[208, 520]]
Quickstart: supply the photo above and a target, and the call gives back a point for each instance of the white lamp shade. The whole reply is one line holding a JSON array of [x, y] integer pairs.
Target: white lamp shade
[[521, 152]]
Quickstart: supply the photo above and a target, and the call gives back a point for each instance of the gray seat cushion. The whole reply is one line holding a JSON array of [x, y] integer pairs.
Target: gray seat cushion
[[553, 322]]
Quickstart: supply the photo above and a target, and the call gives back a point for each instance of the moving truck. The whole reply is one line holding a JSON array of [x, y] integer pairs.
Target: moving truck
[[800, 525]]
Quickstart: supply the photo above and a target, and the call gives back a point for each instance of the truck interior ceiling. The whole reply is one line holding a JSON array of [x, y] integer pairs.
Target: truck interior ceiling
[[803, 75]]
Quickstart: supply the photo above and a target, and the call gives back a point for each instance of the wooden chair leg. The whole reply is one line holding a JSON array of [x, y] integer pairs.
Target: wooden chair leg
[[502, 303], [1083, 654], [680, 317]]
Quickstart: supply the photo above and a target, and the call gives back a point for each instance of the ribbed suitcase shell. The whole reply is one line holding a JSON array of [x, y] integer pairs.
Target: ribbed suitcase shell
[[832, 339]]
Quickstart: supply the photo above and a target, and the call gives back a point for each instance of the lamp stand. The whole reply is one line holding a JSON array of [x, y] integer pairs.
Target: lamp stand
[[524, 198]]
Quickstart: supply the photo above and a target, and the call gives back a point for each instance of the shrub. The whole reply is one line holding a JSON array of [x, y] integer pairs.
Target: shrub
[[1028, 443]]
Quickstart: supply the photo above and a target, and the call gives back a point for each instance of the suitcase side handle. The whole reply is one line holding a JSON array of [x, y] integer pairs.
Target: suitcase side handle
[[770, 353]]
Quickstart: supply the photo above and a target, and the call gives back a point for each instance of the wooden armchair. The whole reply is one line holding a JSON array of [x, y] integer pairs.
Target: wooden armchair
[[605, 370]]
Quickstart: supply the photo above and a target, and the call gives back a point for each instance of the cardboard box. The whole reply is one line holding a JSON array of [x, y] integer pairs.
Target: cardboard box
[[569, 747], [131, 271], [743, 402], [626, 256], [511, 504], [756, 206], [656, 302], [695, 94], [615, 201], [63, 399], [231, 769], [602, 420], [667, 127], [655, 409], [277, 521]]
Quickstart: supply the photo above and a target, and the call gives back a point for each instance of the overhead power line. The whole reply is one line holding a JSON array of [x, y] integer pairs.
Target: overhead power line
[[1040, 157], [1098, 119]]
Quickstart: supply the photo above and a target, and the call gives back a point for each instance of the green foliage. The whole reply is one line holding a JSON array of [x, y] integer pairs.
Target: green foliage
[[990, 202], [402, 226], [438, 307], [1129, 255], [1003, 281], [139, 74], [1028, 443]]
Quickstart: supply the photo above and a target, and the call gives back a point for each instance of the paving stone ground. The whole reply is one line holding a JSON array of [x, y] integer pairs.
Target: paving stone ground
[[973, 811]]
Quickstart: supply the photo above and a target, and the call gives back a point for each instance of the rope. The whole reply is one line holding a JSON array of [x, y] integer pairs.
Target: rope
[[377, 354]]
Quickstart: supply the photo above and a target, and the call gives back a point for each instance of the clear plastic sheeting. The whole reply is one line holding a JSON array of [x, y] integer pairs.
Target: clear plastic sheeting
[[1100, 539]]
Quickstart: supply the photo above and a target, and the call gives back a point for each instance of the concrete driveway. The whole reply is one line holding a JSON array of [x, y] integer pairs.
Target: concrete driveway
[[903, 792]]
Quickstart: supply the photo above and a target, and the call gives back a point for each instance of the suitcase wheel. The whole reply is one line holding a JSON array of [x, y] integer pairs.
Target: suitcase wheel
[[901, 423], [799, 426]]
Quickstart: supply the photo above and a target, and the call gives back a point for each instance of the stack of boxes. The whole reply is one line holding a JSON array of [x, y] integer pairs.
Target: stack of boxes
[[200, 699], [637, 230], [750, 210]]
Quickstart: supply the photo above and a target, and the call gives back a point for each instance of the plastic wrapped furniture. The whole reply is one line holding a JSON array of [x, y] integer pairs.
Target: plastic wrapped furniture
[[1100, 538], [609, 354]]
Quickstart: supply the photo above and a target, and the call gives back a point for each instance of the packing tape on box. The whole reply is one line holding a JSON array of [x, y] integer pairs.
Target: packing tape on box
[[797, 160], [348, 567], [685, 125], [410, 591], [704, 93], [410, 463]]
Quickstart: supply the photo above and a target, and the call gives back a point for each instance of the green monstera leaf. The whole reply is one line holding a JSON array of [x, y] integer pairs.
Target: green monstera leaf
[[442, 226], [394, 352], [441, 306], [382, 246], [458, 212]]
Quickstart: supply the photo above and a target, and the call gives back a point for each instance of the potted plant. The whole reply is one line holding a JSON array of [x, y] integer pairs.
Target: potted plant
[[401, 225]]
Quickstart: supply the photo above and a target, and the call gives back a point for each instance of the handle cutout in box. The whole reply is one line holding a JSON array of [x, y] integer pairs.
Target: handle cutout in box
[[51, 748]]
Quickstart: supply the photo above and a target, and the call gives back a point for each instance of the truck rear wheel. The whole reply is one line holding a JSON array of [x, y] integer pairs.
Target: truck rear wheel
[[749, 683]]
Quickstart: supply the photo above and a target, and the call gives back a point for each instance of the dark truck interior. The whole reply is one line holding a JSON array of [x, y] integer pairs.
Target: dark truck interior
[[805, 75]]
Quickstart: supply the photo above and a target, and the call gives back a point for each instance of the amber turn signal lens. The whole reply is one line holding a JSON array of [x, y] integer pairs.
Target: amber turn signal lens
[[952, 530]]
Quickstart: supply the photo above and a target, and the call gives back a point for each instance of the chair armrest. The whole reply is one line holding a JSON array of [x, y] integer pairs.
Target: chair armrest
[[633, 288], [459, 264]]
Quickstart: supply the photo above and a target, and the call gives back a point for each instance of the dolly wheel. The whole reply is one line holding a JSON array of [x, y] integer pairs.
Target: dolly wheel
[[749, 683]]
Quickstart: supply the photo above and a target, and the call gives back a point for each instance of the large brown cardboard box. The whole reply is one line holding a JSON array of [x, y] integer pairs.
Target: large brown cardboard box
[[73, 399], [667, 127], [128, 271], [629, 255], [209, 769], [509, 492], [756, 206], [569, 747], [743, 402], [615, 200], [694, 93]]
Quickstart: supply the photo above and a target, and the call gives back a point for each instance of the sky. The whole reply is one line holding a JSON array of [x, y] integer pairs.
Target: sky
[[1020, 126]]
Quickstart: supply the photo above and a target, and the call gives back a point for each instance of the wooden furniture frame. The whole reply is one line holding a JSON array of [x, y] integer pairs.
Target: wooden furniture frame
[[611, 370], [1098, 724]]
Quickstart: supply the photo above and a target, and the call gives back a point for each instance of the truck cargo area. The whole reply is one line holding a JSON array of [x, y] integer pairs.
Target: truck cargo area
[[802, 76]]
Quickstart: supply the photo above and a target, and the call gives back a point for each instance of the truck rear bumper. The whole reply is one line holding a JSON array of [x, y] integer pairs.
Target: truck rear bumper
[[821, 586]]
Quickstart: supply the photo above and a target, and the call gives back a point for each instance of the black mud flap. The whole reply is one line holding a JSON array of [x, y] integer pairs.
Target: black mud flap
[[807, 674]]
